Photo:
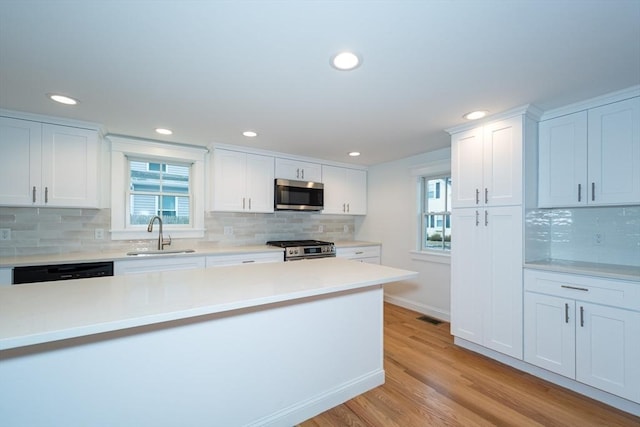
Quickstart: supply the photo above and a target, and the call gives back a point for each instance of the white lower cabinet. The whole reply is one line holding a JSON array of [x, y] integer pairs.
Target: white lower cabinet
[[150, 265], [486, 278], [6, 274], [584, 328], [369, 254], [237, 259]]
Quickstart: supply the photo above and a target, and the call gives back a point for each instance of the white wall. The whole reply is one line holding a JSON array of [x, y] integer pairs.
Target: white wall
[[392, 219]]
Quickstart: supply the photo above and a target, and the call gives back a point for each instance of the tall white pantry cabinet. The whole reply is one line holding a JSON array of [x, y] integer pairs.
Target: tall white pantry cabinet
[[487, 247]]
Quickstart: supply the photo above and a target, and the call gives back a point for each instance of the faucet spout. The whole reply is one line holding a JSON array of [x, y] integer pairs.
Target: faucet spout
[[161, 243]]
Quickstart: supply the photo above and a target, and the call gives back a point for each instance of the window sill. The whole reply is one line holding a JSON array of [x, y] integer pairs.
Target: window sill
[[144, 234], [431, 256]]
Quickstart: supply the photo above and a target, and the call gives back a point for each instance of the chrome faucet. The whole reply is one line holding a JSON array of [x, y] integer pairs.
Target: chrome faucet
[[161, 242]]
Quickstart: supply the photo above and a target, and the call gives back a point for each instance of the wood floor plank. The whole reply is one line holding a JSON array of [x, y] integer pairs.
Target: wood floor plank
[[432, 382]]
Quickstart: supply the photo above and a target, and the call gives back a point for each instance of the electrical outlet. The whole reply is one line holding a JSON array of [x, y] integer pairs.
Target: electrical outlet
[[99, 234], [346, 228], [598, 239], [5, 234], [321, 229], [228, 230]]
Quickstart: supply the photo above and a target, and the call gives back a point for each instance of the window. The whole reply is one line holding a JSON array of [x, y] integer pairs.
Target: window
[[435, 230], [151, 178], [159, 189]]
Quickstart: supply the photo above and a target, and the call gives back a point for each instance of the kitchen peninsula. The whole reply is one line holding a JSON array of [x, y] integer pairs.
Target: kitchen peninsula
[[258, 344]]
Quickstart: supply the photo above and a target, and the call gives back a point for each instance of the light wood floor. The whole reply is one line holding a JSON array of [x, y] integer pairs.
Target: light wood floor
[[432, 382]]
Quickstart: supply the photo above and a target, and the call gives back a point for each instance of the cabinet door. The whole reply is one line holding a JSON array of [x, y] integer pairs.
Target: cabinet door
[[356, 191], [229, 180], [608, 349], [468, 293], [20, 162], [614, 153], [562, 153], [501, 252], [163, 263], [466, 168], [334, 179], [549, 333], [259, 183], [297, 170], [502, 163], [69, 166]]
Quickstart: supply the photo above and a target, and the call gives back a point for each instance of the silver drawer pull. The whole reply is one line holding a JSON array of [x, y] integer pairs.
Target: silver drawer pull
[[566, 313], [359, 252], [575, 288], [248, 261]]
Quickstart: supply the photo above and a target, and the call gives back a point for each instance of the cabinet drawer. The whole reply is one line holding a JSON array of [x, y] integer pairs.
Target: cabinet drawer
[[617, 293], [236, 259], [163, 263], [359, 252]]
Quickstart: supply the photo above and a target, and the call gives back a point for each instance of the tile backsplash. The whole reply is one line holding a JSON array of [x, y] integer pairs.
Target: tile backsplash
[[607, 235], [53, 230]]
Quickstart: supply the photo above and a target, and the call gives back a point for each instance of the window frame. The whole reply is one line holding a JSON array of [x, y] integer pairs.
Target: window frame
[[162, 194], [123, 148], [439, 164], [436, 217]]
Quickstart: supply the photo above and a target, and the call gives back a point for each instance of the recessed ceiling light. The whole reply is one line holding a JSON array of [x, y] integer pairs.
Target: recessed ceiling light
[[475, 115], [345, 61], [62, 99], [163, 131], [354, 153], [250, 133]]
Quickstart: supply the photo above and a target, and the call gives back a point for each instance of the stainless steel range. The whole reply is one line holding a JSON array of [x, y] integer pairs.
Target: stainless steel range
[[305, 249]]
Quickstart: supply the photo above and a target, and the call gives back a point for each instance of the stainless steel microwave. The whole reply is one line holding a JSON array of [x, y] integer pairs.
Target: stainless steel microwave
[[293, 195]]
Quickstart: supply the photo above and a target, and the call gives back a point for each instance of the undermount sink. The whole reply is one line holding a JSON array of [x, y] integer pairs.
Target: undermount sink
[[163, 252]]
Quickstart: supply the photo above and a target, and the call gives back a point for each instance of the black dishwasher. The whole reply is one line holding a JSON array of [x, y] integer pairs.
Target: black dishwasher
[[49, 273]]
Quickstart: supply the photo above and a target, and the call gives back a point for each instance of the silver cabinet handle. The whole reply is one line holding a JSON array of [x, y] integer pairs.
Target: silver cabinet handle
[[249, 203], [298, 173], [593, 191], [243, 203], [566, 313], [33, 197], [359, 252], [581, 316], [46, 194], [344, 207], [348, 207], [486, 218], [477, 218], [575, 288], [579, 192], [302, 173], [477, 196], [248, 261], [486, 195]]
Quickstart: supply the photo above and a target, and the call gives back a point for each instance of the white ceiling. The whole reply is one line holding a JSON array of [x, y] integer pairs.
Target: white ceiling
[[212, 69]]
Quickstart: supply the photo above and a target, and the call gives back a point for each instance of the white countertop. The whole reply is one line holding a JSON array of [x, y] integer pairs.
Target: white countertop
[[610, 271], [76, 257], [43, 312], [355, 244]]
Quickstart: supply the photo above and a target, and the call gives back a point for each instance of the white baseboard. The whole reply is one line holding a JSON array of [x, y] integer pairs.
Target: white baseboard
[[594, 393], [305, 410], [419, 307]]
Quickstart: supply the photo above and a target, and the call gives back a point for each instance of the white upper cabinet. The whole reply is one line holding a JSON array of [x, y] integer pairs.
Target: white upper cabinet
[[562, 151], [298, 170], [48, 165], [345, 190], [591, 157], [614, 153], [486, 165], [242, 182]]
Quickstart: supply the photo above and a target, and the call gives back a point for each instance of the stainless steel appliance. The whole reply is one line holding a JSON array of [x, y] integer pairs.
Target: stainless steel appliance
[[48, 273], [305, 249], [298, 195]]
